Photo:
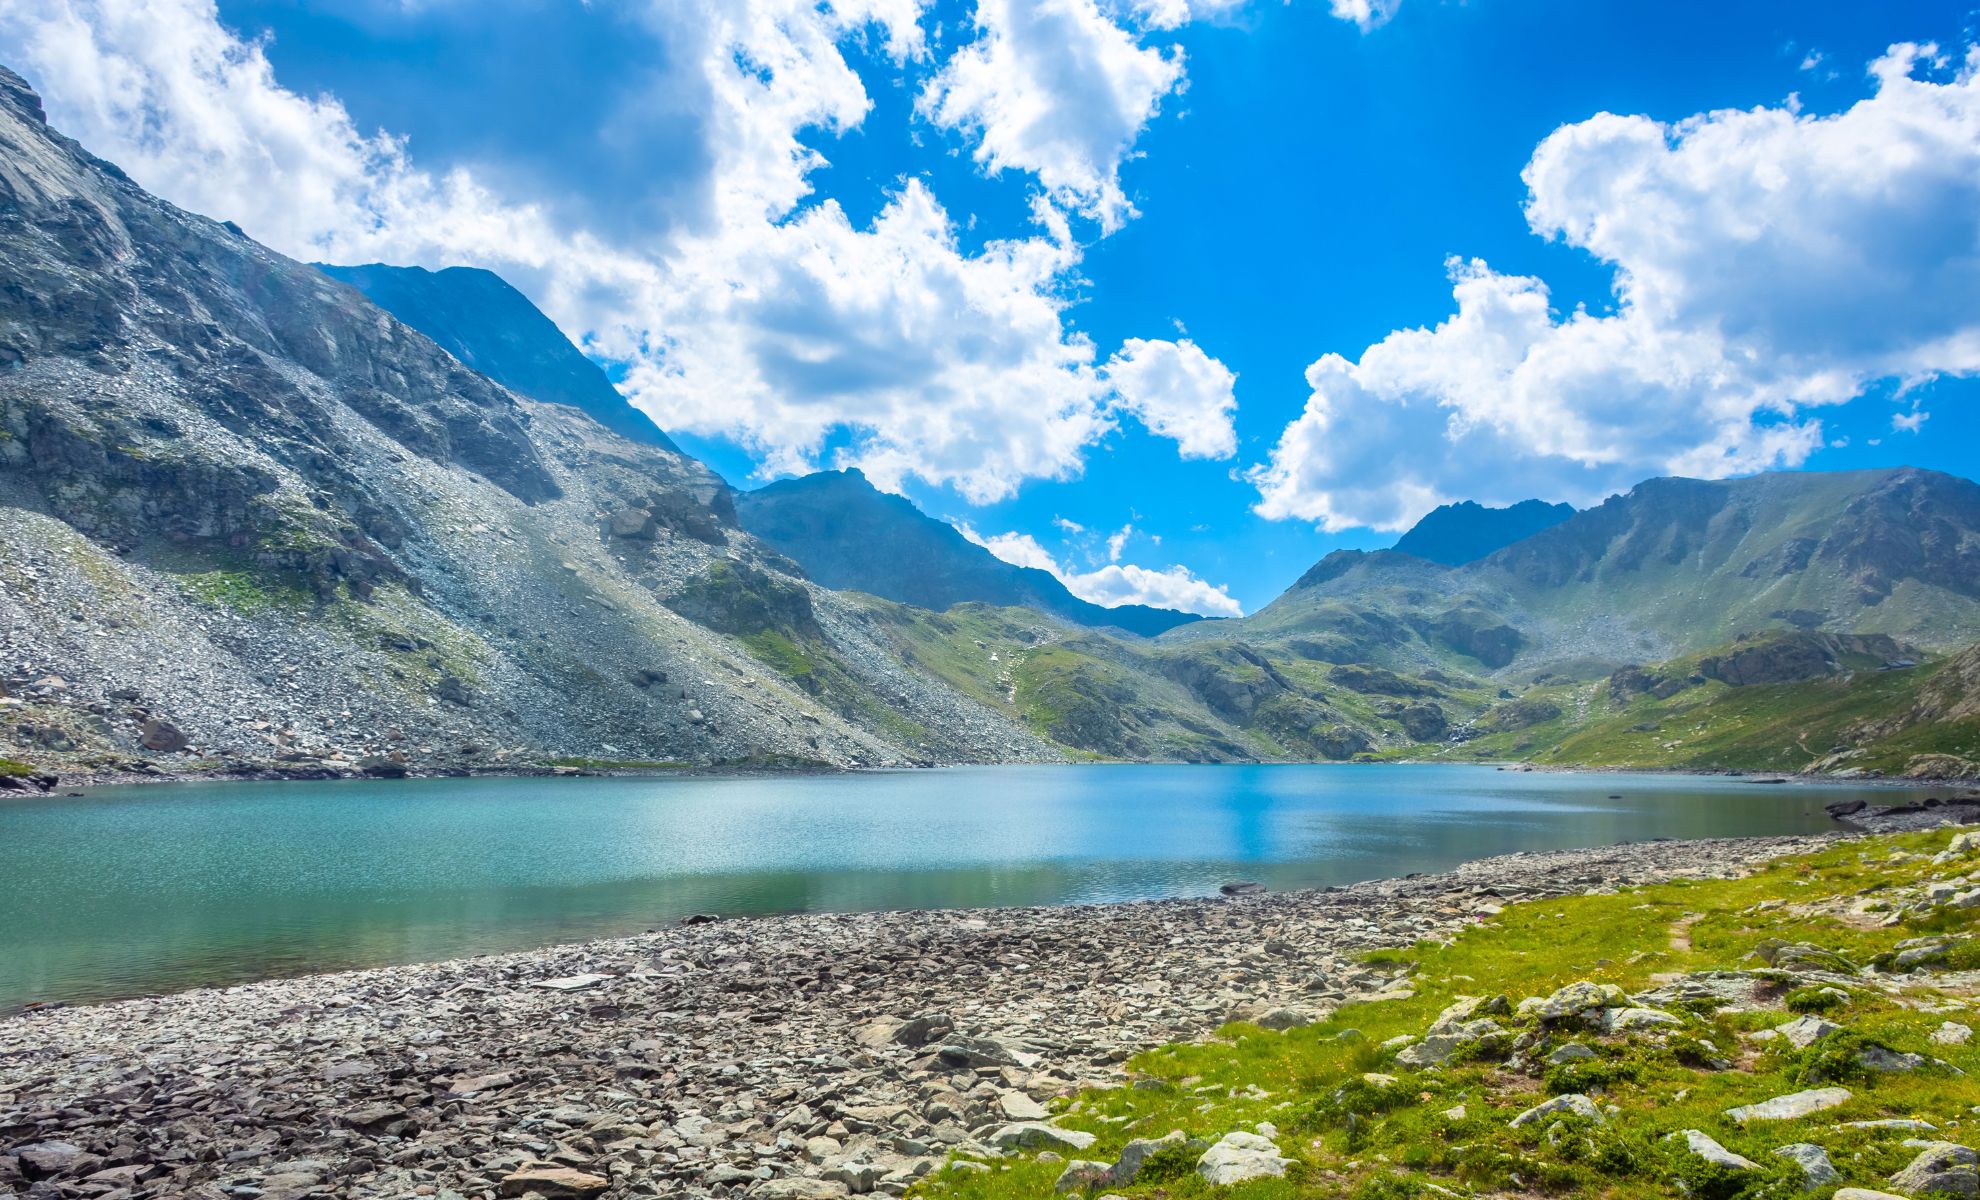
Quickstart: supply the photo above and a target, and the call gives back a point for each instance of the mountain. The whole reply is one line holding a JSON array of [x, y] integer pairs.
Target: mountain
[[250, 521], [478, 318], [848, 534], [1455, 534], [1671, 567], [1794, 701]]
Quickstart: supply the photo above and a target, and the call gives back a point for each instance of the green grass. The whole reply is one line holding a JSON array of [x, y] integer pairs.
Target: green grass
[[243, 591], [1352, 1137], [14, 768], [776, 650]]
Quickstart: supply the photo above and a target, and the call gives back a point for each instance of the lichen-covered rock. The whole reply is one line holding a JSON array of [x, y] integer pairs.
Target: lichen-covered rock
[[1942, 1168], [1238, 1156], [1816, 1169], [1573, 1104], [1791, 1106], [1702, 1145]]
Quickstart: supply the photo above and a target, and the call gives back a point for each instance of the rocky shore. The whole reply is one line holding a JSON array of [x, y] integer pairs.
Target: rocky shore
[[792, 1058]]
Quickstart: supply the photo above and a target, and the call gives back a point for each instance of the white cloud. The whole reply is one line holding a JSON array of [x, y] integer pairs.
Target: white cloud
[[1057, 89], [1179, 392], [764, 314], [1910, 422], [1368, 14], [1117, 542], [1115, 584], [1767, 263], [1173, 14]]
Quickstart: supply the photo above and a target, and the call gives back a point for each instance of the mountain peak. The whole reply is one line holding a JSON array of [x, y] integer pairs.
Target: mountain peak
[[485, 322], [1455, 534], [848, 534]]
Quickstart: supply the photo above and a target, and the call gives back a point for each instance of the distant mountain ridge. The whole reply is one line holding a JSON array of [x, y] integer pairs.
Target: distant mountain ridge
[[482, 320], [1672, 566], [850, 535], [1455, 534]]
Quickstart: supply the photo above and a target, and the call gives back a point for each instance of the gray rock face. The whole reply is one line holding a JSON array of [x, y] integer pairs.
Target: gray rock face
[[172, 391], [1791, 1106], [1238, 1156], [1943, 1167], [1816, 1169]]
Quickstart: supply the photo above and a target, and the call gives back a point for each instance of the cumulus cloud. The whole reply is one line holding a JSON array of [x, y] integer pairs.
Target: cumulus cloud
[[1115, 583], [763, 314], [1173, 14], [1057, 89], [1368, 14], [1767, 263], [1179, 392]]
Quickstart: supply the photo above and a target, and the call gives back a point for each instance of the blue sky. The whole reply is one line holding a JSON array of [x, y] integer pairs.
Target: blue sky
[[1008, 255]]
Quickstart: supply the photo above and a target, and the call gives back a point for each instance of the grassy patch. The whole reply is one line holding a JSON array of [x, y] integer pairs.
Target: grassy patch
[[1353, 1135], [243, 591], [14, 768]]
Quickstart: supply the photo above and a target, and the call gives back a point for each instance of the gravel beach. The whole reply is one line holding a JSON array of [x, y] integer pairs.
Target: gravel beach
[[794, 1058]]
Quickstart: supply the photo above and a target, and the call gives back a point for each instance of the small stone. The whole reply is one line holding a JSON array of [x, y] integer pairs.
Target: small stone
[[571, 983], [800, 1187], [1081, 1174], [1017, 1106], [547, 1180], [1572, 1052], [976, 1052], [1791, 1106], [1283, 1018]]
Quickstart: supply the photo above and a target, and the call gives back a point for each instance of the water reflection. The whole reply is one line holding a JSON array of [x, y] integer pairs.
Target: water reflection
[[159, 888]]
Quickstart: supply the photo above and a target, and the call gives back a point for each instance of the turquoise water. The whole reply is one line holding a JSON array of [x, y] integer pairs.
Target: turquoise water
[[163, 887]]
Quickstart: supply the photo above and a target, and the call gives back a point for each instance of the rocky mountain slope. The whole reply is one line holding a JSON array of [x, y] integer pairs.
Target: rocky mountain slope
[[478, 318], [1797, 701], [1455, 534], [1674, 566], [248, 519], [848, 534]]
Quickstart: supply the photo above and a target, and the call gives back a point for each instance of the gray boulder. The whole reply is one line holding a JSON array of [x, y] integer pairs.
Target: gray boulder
[[1791, 1106], [1943, 1168], [1816, 1169], [1702, 1145], [1573, 1104], [1239, 1156]]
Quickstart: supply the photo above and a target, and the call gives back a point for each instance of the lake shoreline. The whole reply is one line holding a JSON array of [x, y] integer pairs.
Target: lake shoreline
[[67, 785], [708, 1059]]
